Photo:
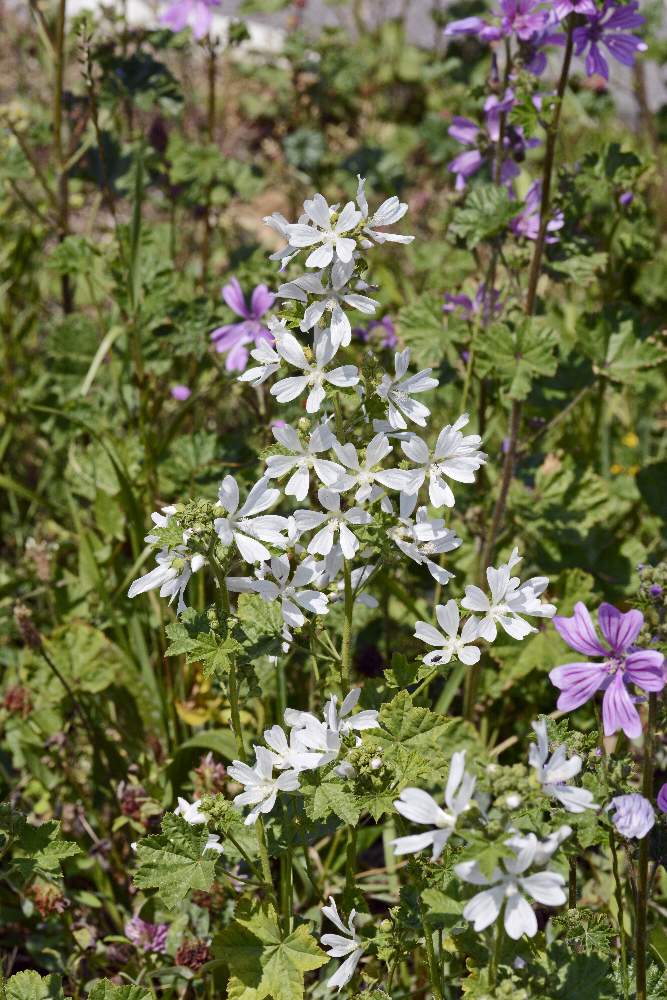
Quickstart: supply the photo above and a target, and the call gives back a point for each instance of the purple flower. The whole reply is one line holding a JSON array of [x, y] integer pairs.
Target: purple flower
[[655, 590], [661, 800], [147, 937], [383, 327], [610, 27], [634, 815], [562, 8], [517, 17], [181, 392], [233, 337], [527, 222], [622, 663], [485, 140], [196, 13], [469, 307]]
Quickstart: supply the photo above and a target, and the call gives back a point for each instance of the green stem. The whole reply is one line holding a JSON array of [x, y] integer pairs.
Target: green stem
[[531, 297], [641, 933], [572, 885], [497, 949], [264, 859], [618, 895], [58, 143], [430, 955], [346, 646], [351, 859]]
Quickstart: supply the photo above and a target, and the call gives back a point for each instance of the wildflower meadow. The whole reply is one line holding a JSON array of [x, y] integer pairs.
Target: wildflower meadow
[[333, 562]]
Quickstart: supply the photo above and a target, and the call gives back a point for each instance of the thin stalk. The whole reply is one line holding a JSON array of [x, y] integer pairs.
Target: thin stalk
[[430, 955], [211, 78], [346, 646], [264, 859], [531, 296], [351, 859], [572, 885], [80, 711], [497, 949], [58, 143], [641, 932], [618, 895]]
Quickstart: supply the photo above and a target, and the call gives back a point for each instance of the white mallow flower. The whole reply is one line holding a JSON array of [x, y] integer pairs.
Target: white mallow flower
[[553, 772], [261, 788], [161, 519], [420, 807], [451, 645], [292, 592], [340, 945], [508, 600], [331, 294], [326, 734], [333, 522], [269, 363], [398, 390], [325, 232], [455, 456], [290, 753], [314, 377], [509, 886], [303, 458], [423, 537], [363, 472], [171, 575], [190, 812], [246, 526], [389, 212]]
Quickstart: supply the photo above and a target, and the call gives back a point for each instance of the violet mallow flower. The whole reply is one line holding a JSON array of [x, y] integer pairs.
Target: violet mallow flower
[[145, 936], [517, 17], [562, 8], [382, 329], [661, 800], [527, 222], [621, 664], [180, 392], [233, 338], [197, 14], [634, 815], [484, 142], [612, 28], [486, 303]]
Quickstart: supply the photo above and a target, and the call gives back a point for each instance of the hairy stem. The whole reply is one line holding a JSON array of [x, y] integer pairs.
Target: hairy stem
[[433, 969], [346, 646], [641, 934], [618, 895], [58, 144], [531, 297]]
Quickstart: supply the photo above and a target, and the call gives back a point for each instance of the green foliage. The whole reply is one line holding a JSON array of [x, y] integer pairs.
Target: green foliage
[[518, 355], [175, 861], [487, 212]]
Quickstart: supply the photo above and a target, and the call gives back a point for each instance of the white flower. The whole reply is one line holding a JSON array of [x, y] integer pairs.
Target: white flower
[[246, 526], [455, 456], [509, 598], [213, 844], [451, 644], [302, 459], [331, 293], [161, 520], [315, 377], [423, 537], [334, 521], [326, 232], [261, 787], [291, 592], [290, 754], [398, 390], [364, 475], [420, 807], [509, 886], [326, 734], [553, 772], [190, 812], [171, 575], [339, 945], [269, 363], [389, 212]]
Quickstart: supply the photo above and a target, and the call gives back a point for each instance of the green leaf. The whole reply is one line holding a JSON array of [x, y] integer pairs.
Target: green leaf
[[104, 989], [32, 986], [581, 268], [337, 798], [627, 355], [421, 326], [442, 909], [35, 849], [261, 624], [173, 861], [409, 727], [194, 635], [263, 960], [486, 214], [518, 356]]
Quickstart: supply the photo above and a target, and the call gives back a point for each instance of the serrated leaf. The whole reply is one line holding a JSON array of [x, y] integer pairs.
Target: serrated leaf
[[627, 355], [421, 326], [442, 910], [194, 636], [337, 798], [407, 726], [261, 624], [263, 960], [32, 986], [518, 356], [104, 989], [486, 214], [173, 861], [581, 268]]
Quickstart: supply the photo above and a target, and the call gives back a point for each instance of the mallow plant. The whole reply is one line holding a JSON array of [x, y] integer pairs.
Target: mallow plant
[[486, 860]]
